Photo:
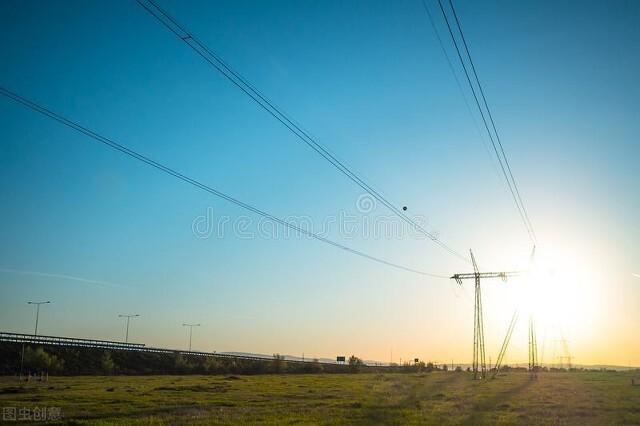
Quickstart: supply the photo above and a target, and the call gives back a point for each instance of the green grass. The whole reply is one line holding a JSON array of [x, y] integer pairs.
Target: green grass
[[431, 398]]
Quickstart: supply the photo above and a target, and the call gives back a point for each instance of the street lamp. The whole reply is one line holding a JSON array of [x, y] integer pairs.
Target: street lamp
[[35, 333], [190, 332], [128, 317], [37, 313]]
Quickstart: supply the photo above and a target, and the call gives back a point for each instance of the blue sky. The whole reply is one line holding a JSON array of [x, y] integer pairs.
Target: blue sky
[[370, 82]]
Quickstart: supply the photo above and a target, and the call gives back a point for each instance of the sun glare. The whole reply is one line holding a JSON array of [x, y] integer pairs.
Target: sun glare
[[556, 290], [551, 288]]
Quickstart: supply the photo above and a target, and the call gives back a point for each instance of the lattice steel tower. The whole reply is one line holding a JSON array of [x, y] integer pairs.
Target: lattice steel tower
[[479, 364]]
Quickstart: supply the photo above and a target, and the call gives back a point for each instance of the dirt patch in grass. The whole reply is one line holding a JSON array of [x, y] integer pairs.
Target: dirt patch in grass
[[193, 388], [232, 378], [13, 390]]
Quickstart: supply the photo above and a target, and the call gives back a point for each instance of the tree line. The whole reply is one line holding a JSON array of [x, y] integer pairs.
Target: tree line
[[44, 359]]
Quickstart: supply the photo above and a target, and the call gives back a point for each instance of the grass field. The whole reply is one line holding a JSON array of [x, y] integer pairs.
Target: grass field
[[432, 398]]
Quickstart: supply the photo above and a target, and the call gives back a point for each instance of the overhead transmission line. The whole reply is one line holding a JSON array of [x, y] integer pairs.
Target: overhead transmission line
[[459, 84], [250, 90], [128, 151], [487, 117]]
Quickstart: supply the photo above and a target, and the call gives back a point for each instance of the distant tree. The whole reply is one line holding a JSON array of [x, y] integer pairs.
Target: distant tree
[[278, 364], [355, 364], [39, 360], [107, 363], [316, 367], [430, 367], [182, 364], [312, 367], [445, 367], [210, 365]]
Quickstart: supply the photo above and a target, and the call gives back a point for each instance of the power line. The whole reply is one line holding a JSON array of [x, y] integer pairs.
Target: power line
[[460, 89], [449, 63], [484, 120], [506, 171], [123, 149], [250, 90], [493, 124]]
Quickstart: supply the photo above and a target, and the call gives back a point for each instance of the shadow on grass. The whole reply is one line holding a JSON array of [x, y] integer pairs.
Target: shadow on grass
[[413, 391], [491, 404]]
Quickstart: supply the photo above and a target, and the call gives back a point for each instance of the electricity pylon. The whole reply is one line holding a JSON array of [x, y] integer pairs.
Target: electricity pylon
[[533, 340], [567, 354], [533, 348], [479, 364]]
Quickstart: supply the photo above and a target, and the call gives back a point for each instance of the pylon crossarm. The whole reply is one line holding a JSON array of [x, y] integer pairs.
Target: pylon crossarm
[[472, 275]]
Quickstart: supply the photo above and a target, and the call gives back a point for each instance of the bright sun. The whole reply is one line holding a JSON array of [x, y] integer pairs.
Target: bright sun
[[557, 291], [550, 291]]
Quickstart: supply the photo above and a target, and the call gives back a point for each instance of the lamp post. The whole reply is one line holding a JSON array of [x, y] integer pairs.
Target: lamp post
[[128, 317], [35, 333], [37, 313], [190, 332]]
